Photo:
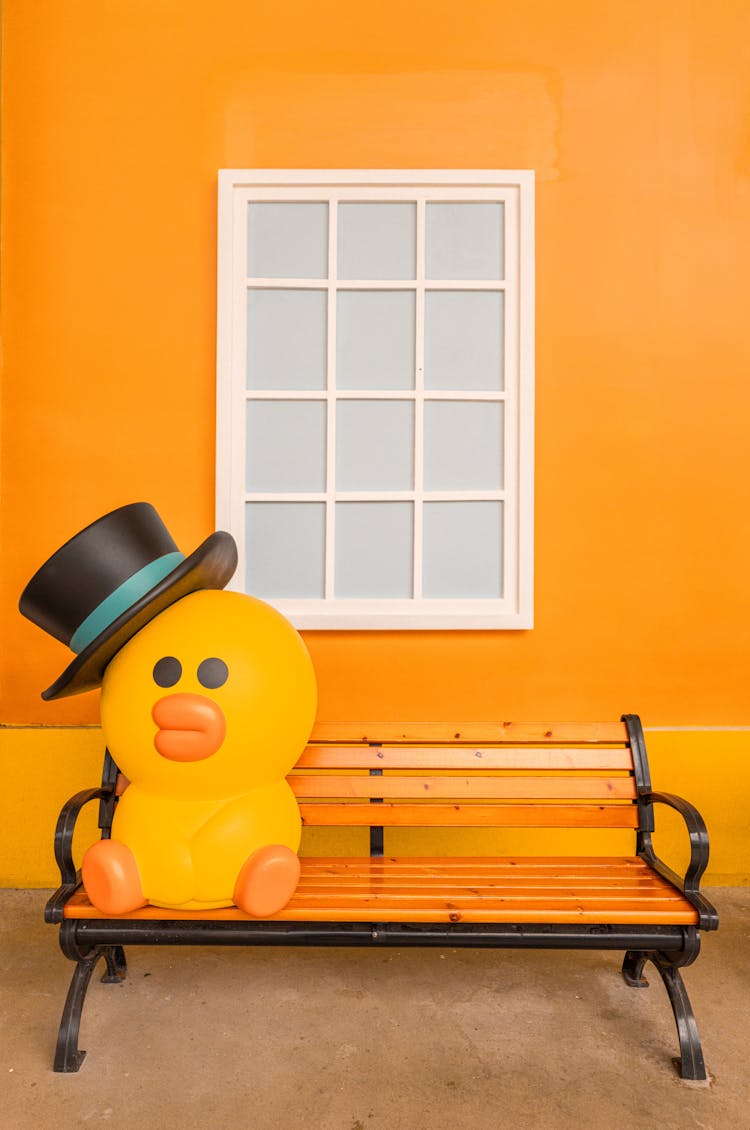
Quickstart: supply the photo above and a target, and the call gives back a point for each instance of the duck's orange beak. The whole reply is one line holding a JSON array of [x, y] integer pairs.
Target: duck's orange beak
[[191, 727]]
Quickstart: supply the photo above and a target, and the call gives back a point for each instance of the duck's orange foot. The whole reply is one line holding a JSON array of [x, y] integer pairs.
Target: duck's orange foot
[[110, 876], [267, 880]]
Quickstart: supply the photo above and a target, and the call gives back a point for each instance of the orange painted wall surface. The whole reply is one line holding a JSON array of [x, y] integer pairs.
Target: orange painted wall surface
[[115, 120]]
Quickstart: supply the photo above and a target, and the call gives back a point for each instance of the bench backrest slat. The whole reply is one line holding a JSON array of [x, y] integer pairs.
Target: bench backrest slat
[[469, 732], [454, 787], [456, 757], [390, 815]]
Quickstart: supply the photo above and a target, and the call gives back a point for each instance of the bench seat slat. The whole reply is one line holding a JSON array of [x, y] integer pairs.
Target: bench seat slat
[[505, 885], [484, 879], [652, 915], [444, 757], [474, 900], [496, 865], [421, 732], [560, 788], [567, 890], [313, 895], [541, 911], [387, 814]]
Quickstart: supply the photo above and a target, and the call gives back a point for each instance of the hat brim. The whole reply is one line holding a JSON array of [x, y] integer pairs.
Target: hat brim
[[209, 567]]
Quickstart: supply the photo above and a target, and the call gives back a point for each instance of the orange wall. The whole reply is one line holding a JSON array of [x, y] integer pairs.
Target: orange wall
[[115, 119]]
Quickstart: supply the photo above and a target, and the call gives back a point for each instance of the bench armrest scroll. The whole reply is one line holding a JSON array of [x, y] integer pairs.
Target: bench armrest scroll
[[69, 875], [698, 833]]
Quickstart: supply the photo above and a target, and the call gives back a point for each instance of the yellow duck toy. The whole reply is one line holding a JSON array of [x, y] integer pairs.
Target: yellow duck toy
[[205, 711], [208, 698]]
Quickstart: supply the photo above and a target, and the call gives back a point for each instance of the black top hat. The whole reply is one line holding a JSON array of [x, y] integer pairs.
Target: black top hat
[[109, 580]]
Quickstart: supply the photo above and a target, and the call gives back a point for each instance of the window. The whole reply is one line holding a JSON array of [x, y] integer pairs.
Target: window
[[375, 394]]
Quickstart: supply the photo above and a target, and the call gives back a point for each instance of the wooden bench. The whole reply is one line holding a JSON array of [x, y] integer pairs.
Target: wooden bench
[[587, 781]]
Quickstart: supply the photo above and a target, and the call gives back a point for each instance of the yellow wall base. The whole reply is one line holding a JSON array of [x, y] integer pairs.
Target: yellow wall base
[[43, 766]]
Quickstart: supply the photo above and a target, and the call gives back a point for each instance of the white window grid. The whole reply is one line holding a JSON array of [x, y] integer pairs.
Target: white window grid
[[515, 190]]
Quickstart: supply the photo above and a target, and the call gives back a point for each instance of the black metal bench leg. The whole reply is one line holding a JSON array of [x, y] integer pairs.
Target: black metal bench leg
[[117, 967], [632, 969], [67, 1056], [691, 1064], [691, 1053]]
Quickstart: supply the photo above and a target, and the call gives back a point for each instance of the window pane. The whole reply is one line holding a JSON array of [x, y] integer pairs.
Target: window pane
[[464, 340], [286, 339], [462, 554], [374, 549], [377, 241], [287, 241], [463, 446], [374, 445], [286, 445], [285, 544], [375, 347], [464, 241]]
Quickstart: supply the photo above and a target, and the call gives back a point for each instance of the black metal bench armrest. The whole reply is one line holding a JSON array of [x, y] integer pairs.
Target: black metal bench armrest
[[690, 883], [69, 875]]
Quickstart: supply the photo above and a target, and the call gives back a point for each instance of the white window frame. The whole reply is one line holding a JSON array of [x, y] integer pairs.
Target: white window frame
[[515, 188]]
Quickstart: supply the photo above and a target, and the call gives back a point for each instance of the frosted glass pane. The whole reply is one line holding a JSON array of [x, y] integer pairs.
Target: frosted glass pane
[[287, 241], [286, 445], [463, 446], [374, 549], [286, 339], [462, 555], [464, 340], [377, 241], [375, 346], [285, 544], [464, 241], [374, 445]]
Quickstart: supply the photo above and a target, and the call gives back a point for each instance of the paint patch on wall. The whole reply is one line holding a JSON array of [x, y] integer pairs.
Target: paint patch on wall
[[513, 116]]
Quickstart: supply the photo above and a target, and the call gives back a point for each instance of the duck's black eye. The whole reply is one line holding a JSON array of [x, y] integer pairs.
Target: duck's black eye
[[167, 671], [213, 673]]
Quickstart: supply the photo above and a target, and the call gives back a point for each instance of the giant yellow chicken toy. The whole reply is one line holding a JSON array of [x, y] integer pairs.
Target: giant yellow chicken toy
[[208, 698]]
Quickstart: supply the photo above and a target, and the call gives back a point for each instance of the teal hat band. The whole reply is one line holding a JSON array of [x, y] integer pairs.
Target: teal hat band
[[123, 598]]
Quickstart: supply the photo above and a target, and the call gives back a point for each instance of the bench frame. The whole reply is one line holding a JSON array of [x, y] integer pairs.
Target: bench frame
[[669, 948]]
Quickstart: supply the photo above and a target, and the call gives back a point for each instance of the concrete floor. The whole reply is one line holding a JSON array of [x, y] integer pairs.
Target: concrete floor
[[370, 1039]]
